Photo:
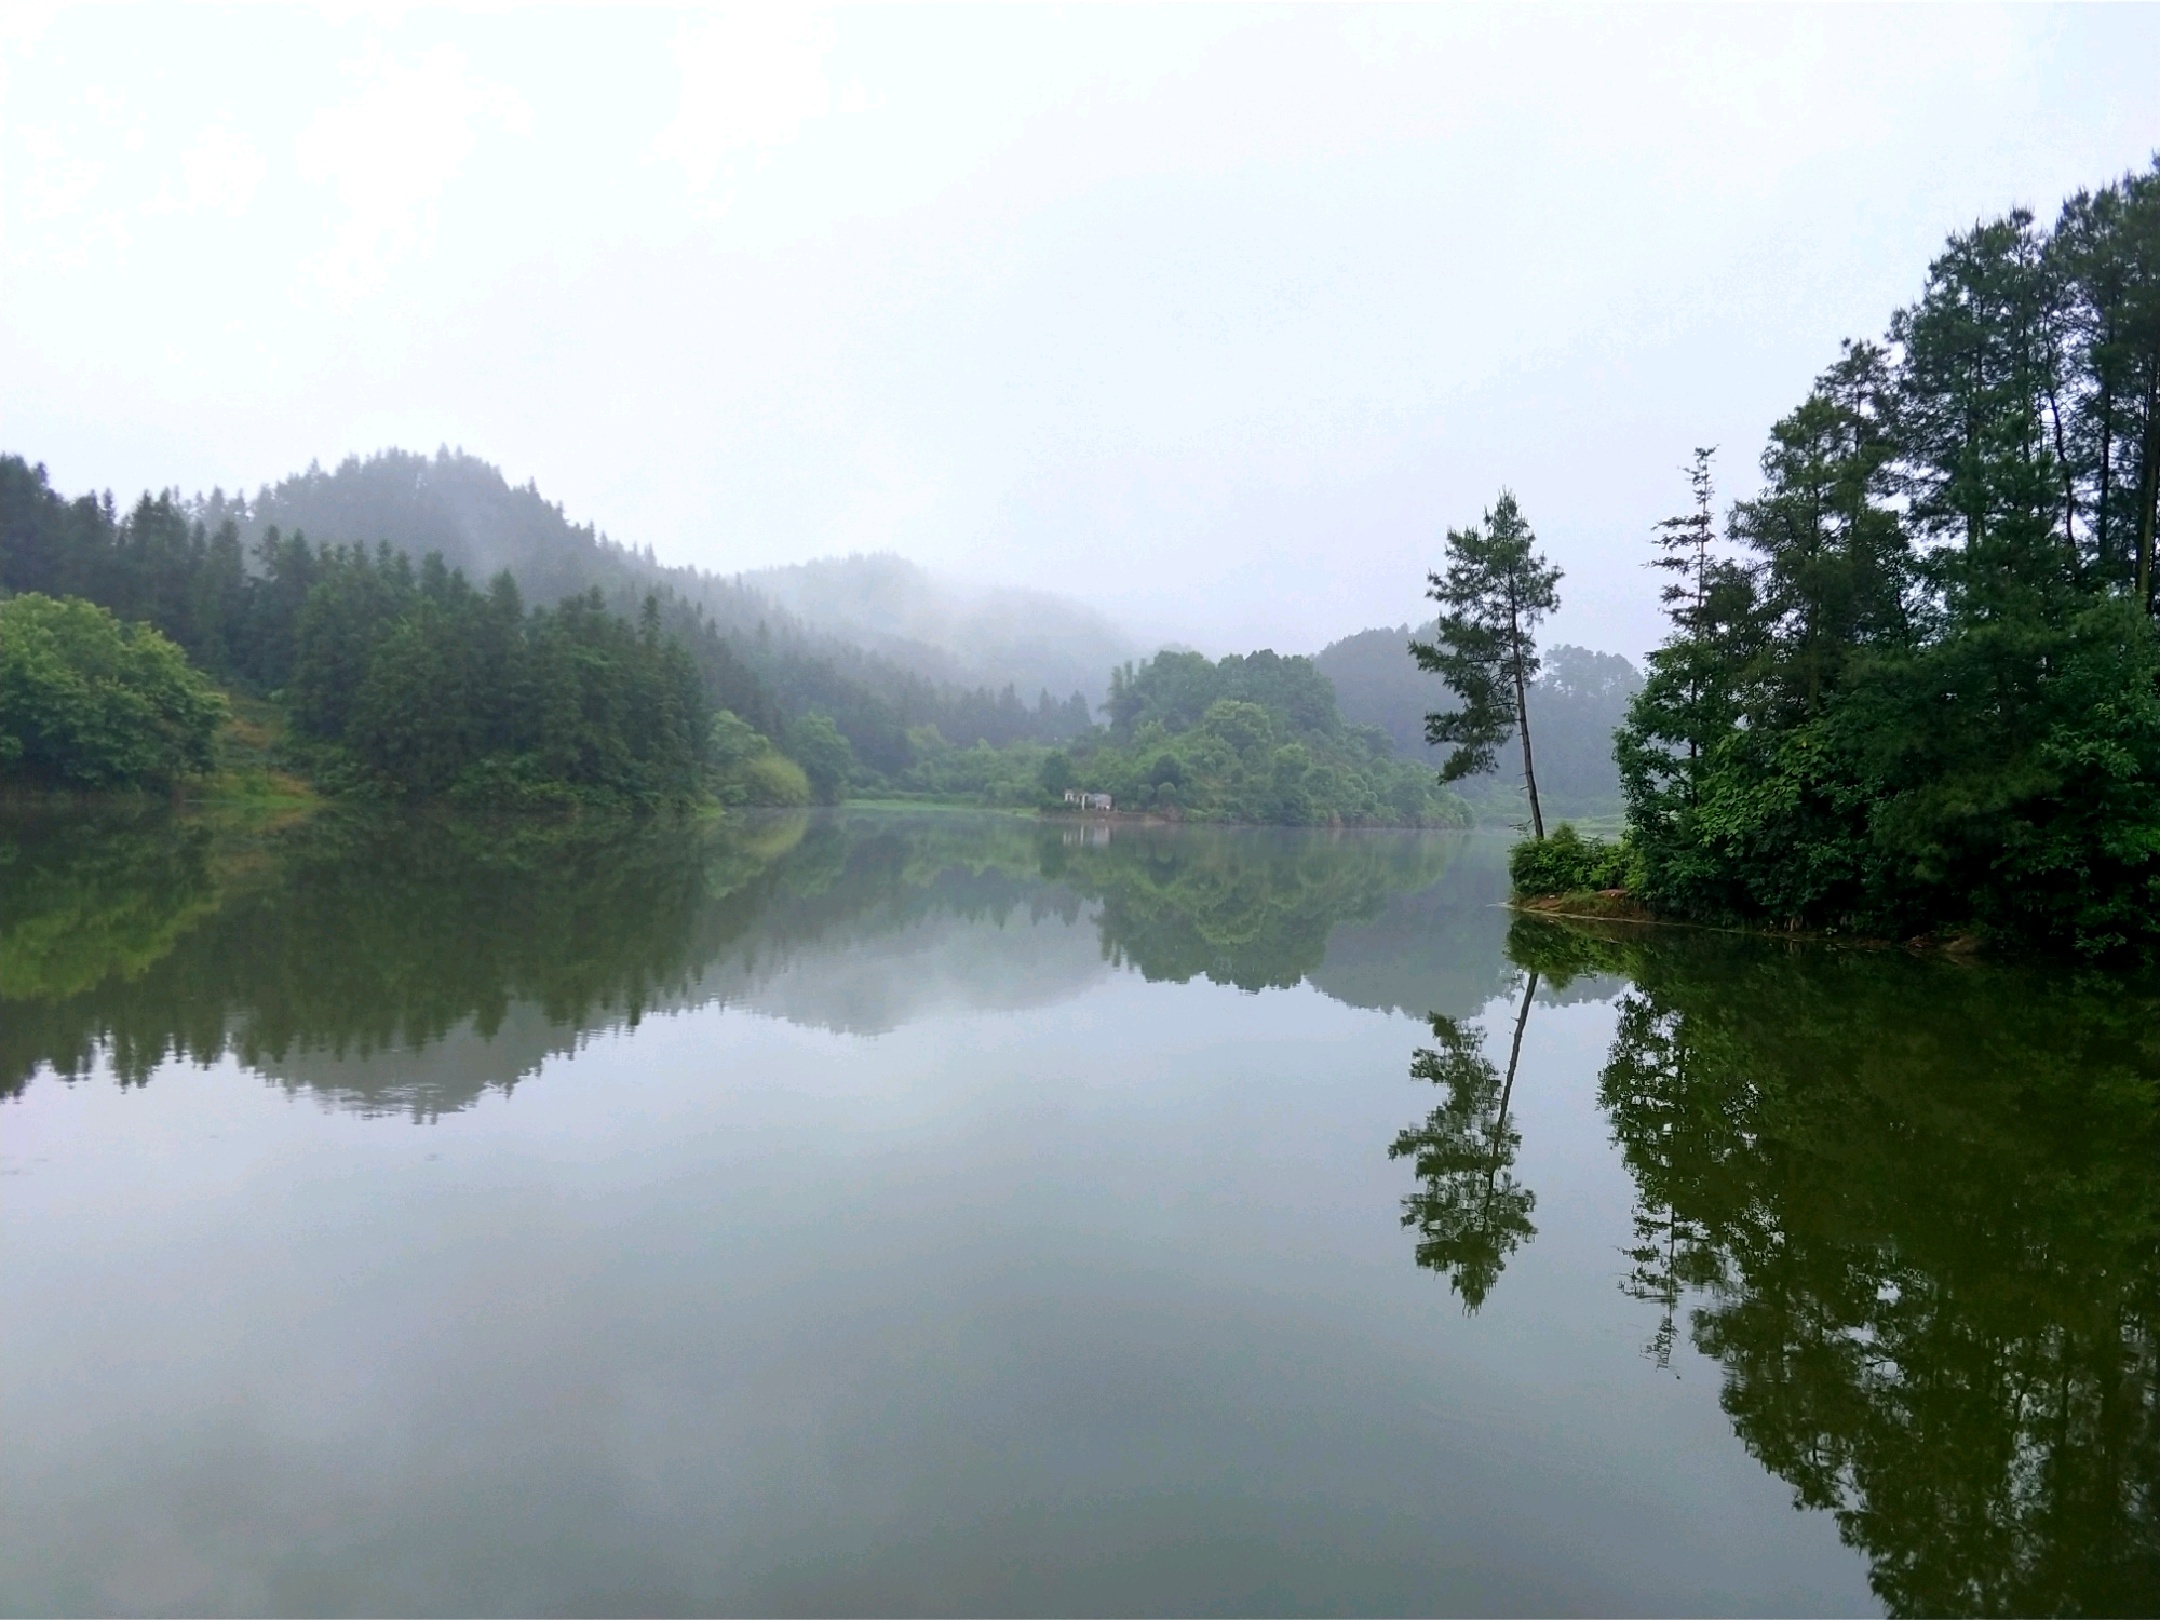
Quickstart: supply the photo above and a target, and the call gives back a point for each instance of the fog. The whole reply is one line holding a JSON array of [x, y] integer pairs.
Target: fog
[[1210, 318]]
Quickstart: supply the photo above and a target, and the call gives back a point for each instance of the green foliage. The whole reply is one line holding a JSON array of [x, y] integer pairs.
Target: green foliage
[[87, 702], [426, 686], [1055, 774], [757, 659], [827, 758], [398, 678], [1175, 690], [1012, 777], [1256, 739], [1925, 694], [1578, 701], [1567, 863], [746, 769]]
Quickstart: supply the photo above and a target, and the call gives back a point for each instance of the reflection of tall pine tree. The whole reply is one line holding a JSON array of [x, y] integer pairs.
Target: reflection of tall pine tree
[[1469, 1212]]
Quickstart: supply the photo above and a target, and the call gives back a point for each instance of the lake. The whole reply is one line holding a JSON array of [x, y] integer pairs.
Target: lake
[[893, 1212]]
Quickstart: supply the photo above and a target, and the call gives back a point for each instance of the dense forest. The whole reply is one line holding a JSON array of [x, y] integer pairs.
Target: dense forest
[[237, 606], [1913, 685], [402, 678], [887, 666]]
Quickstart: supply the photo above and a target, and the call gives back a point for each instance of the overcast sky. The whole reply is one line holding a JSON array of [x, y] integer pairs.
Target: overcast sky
[[1213, 317]]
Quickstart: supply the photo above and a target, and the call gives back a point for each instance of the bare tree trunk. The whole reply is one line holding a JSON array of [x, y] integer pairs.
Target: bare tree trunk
[[2069, 479], [2148, 489], [1529, 772]]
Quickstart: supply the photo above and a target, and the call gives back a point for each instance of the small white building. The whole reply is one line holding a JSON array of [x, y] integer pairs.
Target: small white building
[[1087, 801]]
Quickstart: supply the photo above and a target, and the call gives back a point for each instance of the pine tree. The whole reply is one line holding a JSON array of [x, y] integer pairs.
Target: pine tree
[[1496, 590]]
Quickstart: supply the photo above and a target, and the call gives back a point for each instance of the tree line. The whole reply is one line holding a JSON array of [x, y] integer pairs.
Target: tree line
[[402, 677], [1251, 737], [213, 576], [1913, 684]]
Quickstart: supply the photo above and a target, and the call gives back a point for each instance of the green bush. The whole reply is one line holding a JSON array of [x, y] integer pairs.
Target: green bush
[[746, 769], [773, 781], [87, 702], [1567, 863]]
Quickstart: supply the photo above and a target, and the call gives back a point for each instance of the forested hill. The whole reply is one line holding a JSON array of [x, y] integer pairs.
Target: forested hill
[[465, 509], [876, 687], [1576, 705]]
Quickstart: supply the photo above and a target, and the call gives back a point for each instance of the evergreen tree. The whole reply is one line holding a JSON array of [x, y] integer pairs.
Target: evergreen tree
[[1496, 590]]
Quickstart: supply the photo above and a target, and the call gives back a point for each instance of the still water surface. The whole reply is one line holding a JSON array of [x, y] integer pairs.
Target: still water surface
[[897, 1213]]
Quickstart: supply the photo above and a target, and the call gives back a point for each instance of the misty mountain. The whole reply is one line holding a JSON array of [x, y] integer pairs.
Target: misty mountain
[[1576, 704], [890, 651], [1029, 640], [464, 508]]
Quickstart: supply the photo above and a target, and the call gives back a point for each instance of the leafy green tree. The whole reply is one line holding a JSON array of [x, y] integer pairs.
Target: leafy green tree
[[1057, 774], [747, 769], [1252, 738], [826, 757], [89, 702], [1496, 589]]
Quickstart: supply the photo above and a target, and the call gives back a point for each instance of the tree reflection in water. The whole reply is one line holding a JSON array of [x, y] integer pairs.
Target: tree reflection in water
[[1469, 1211], [1917, 1206], [339, 953]]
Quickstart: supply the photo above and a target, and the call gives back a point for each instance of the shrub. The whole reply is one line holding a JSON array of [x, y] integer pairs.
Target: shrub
[[775, 781], [746, 769], [88, 702], [1567, 863]]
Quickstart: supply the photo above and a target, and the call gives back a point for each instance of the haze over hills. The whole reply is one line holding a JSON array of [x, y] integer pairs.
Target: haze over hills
[[1030, 640], [876, 642], [463, 507], [1576, 704]]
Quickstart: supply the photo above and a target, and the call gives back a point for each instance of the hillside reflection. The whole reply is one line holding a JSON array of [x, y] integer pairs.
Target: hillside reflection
[[407, 965], [1912, 1209]]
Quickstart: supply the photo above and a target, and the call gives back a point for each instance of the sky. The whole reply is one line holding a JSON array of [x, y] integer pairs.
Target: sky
[[1216, 318]]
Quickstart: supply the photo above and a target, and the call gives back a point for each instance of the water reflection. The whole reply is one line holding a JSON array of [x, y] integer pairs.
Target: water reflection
[[1469, 1211], [1909, 1210], [408, 965], [1916, 1207]]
